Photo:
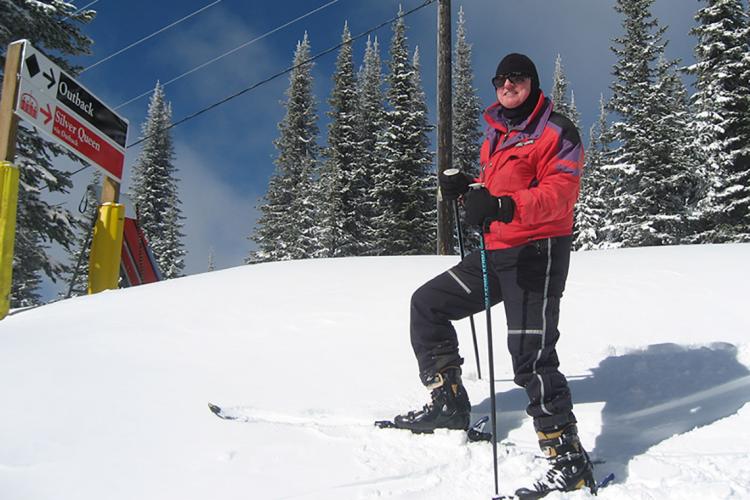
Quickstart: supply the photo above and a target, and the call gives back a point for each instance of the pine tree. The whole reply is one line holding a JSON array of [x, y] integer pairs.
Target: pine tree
[[467, 111], [425, 204], [559, 94], [667, 182], [591, 209], [154, 188], [636, 50], [211, 260], [650, 177], [77, 279], [575, 116], [405, 187], [722, 108], [170, 251], [560, 88], [287, 227], [340, 231], [370, 124], [52, 27]]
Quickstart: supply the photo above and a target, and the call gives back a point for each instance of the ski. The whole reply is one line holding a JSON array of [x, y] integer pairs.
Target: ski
[[475, 433], [605, 481], [219, 412]]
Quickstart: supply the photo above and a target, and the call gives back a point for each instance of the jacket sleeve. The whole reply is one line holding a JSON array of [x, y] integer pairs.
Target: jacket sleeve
[[559, 170]]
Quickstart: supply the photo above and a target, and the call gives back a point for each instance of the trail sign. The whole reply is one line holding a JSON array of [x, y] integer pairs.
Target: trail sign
[[66, 111]]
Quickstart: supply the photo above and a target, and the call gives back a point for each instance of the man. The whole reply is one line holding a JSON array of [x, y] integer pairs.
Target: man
[[531, 160]]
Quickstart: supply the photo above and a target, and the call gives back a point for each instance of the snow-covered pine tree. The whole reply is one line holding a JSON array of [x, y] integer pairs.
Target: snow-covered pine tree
[[171, 257], [635, 50], [667, 177], [559, 87], [287, 226], [591, 209], [211, 260], [77, 278], [340, 195], [53, 27], [370, 124], [467, 111], [425, 205], [648, 206], [405, 187], [722, 109], [559, 94], [575, 116], [154, 188]]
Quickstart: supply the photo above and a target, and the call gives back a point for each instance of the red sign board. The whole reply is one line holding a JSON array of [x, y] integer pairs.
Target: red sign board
[[87, 142]]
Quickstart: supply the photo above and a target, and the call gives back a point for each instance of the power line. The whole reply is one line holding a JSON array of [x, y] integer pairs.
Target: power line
[[78, 11], [165, 28], [287, 70], [201, 66], [280, 73]]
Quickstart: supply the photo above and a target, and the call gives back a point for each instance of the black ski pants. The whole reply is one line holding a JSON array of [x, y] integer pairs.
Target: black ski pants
[[529, 280]]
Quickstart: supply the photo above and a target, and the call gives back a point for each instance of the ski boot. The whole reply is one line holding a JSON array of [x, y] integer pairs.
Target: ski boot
[[570, 469], [449, 408]]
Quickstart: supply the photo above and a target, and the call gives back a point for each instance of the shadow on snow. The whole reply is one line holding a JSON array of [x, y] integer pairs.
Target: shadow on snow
[[650, 395]]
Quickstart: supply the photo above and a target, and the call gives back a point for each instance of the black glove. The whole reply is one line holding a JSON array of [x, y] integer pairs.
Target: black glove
[[480, 206], [453, 186]]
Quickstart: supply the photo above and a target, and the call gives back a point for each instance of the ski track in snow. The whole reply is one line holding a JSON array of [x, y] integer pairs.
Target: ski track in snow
[[429, 461], [405, 465]]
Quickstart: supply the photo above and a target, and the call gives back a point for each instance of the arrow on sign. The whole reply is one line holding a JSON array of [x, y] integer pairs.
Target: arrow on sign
[[50, 78], [47, 113]]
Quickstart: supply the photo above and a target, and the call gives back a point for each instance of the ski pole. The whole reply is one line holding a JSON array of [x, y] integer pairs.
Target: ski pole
[[488, 313], [454, 171], [471, 317]]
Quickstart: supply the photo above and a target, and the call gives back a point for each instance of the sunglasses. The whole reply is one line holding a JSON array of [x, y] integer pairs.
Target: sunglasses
[[515, 79]]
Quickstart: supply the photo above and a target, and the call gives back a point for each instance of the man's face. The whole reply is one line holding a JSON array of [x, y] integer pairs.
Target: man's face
[[513, 91]]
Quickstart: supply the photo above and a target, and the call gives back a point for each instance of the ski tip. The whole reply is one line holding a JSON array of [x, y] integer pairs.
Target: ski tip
[[214, 408], [384, 424]]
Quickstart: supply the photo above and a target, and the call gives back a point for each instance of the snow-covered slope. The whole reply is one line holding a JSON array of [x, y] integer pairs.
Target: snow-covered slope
[[104, 397]]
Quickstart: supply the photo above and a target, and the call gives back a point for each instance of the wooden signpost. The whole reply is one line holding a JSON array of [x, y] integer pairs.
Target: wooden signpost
[[39, 92]]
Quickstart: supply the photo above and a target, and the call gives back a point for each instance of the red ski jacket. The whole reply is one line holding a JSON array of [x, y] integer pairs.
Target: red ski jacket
[[539, 164]]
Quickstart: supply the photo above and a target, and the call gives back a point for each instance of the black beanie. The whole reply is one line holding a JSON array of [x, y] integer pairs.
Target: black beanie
[[519, 63]]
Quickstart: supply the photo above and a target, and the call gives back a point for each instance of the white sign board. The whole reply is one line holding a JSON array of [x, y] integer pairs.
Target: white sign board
[[66, 111]]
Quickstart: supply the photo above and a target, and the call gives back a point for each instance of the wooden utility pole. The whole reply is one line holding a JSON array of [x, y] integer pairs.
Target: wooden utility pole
[[445, 245]]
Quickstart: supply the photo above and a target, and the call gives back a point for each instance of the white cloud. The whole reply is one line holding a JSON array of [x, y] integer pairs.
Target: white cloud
[[219, 218]]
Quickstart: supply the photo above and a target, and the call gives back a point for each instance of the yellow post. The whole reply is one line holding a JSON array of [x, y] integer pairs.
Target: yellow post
[[8, 172], [106, 248], [8, 203]]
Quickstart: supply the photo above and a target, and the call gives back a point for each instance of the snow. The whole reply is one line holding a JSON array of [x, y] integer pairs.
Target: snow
[[106, 396]]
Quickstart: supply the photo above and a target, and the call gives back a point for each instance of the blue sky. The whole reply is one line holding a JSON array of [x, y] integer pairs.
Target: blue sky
[[225, 157]]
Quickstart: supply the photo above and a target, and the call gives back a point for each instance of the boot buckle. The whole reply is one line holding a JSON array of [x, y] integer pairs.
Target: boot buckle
[[435, 382]]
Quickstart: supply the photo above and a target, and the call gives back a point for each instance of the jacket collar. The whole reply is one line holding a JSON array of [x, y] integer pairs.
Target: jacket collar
[[531, 126]]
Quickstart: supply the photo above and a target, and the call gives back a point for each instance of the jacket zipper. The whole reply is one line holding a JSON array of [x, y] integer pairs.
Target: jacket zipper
[[492, 153]]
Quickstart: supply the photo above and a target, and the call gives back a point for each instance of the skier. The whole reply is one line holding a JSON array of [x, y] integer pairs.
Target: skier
[[532, 161]]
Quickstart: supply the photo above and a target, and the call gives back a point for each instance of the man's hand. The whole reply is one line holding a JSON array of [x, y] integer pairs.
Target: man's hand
[[453, 183], [480, 207]]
